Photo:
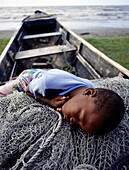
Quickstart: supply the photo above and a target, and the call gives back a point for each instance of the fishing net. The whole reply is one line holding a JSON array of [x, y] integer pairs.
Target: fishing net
[[34, 136]]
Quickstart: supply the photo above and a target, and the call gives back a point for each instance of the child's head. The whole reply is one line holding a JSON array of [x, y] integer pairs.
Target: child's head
[[97, 111]]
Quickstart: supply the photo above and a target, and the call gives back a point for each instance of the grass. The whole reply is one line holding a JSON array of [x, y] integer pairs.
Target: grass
[[3, 43], [115, 48]]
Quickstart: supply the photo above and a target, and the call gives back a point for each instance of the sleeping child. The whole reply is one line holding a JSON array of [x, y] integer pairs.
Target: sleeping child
[[96, 110]]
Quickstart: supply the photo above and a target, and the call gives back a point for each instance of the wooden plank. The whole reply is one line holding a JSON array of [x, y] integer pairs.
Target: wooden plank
[[64, 34], [41, 65], [44, 51], [19, 39], [103, 68], [26, 37], [89, 68], [98, 54], [6, 63], [40, 16], [13, 69]]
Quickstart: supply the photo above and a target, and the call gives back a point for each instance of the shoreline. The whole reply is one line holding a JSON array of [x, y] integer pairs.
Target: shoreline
[[6, 33], [103, 32], [88, 32]]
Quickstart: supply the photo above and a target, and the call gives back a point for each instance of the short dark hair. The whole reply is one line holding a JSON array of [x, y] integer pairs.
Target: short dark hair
[[111, 107]]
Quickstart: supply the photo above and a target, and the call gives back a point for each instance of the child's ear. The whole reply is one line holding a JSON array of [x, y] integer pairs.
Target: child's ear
[[90, 92]]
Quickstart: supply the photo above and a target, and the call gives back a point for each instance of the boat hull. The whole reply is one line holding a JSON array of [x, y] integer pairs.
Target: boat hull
[[43, 42]]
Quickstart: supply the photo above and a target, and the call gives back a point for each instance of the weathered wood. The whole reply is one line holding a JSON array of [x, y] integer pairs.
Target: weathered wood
[[89, 63], [13, 70], [41, 16], [19, 39], [95, 55], [104, 68], [62, 60], [64, 34], [26, 37], [82, 70], [44, 51], [6, 58], [41, 65], [89, 68]]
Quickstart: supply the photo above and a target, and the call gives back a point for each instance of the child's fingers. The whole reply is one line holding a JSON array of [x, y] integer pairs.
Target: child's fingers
[[65, 97], [62, 97], [63, 100], [59, 109], [59, 101]]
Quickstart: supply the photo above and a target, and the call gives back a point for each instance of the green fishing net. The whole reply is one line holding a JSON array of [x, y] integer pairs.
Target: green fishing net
[[34, 136]]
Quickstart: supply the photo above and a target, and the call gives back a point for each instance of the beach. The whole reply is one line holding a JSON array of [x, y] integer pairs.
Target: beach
[[93, 32], [6, 33], [103, 32], [86, 21]]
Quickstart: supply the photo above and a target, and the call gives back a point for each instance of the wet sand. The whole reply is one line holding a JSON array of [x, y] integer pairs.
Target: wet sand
[[103, 32], [90, 32], [6, 34]]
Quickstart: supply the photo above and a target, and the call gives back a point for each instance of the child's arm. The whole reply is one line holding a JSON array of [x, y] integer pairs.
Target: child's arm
[[56, 102]]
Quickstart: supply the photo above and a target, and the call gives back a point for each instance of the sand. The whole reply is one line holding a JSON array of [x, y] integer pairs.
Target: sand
[[90, 32], [6, 34], [103, 32]]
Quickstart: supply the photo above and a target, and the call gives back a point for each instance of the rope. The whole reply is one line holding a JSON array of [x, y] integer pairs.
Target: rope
[[44, 145]]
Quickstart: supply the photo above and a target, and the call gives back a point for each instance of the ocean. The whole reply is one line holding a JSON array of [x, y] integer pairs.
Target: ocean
[[74, 17]]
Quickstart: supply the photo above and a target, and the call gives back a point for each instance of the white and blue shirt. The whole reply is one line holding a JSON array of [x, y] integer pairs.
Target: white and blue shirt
[[56, 82]]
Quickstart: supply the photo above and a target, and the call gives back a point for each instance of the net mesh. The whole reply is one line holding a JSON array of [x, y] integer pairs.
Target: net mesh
[[34, 136]]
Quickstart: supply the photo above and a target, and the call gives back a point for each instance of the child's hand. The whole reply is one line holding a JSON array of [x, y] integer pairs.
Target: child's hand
[[59, 109], [58, 101]]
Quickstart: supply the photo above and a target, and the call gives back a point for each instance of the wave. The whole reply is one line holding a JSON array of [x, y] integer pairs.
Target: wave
[[109, 15]]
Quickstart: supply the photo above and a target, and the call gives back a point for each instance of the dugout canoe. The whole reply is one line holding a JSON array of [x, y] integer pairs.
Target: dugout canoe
[[44, 42]]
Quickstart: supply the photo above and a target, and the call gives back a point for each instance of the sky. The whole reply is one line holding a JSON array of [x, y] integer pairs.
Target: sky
[[6, 3]]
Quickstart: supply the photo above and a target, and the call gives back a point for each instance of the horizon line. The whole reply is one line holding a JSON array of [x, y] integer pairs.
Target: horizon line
[[64, 5]]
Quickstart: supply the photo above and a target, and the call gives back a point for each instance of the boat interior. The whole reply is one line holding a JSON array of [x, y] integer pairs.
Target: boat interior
[[43, 42]]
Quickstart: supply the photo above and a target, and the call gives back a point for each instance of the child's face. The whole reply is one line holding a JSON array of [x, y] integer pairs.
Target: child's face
[[80, 110]]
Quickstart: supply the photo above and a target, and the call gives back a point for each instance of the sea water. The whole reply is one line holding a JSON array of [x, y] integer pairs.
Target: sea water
[[74, 17]]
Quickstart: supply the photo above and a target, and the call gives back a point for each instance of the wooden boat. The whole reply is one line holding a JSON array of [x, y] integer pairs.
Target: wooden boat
[[43, 42]]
